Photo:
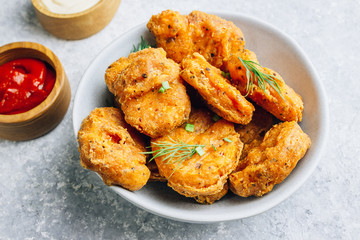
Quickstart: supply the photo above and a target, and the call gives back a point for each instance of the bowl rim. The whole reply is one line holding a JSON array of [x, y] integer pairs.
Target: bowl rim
[[321, 139], [50, 99], [45, 11]]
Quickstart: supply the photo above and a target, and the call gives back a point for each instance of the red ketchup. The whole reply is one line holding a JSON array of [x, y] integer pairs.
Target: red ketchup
[[24, 84]]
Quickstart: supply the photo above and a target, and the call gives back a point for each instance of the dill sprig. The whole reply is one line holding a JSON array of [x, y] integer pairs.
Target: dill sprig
[[225, 75], [260, 77], [175, 151], [141, 45]]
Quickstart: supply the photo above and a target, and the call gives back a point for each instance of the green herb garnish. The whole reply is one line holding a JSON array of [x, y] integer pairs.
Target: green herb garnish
[[164, 86], [189, 127], [259, 77], [227, 140], [225, 74], [175, 151], [161, 90], [199, 150], [213, 147], [215, 118], [141, 45]]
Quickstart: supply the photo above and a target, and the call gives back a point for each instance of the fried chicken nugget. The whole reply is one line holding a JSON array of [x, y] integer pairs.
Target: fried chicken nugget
[[135, 81], [206, 174], [253, 133], [288, 108], [272, 161], [224, 99], [210, 199], [209, 35], [106, 147], [155, 175]]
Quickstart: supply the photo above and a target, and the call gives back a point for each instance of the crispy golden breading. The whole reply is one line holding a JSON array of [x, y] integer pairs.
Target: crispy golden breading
[[106, 147], [253, 133], [155, 175], [210, 199], [171, 31], [272, 161], [211, 36], [206, 174], [203, 121], [112, 72], [136, 86], [142, 141], [224, 99], [288, 109]]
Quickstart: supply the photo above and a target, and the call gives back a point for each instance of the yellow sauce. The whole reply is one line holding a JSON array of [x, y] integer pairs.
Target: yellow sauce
[[68, 6]]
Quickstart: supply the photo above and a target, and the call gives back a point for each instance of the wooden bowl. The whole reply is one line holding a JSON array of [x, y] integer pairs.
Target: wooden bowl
[[77, 25], [48, 114]]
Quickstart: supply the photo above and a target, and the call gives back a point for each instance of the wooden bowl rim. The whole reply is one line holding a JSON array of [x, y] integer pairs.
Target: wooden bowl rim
[[59, 82], [46, 12]]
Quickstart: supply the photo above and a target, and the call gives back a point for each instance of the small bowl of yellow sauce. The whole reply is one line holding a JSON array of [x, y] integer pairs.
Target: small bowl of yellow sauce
[[75, 19]]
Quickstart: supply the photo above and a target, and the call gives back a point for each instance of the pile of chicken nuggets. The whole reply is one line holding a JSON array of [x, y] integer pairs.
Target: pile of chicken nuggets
[[193, 90]]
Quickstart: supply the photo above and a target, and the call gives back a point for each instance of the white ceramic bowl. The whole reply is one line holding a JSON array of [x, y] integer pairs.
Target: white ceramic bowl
[[274, 50]]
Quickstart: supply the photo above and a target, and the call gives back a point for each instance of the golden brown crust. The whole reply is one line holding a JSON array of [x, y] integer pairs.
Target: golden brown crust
[[136, 87], [272, 161], [155, 175], [206, 174], [171, 31], [107, 148], [210, 199], [111, 73], [224, 99], [253, 133], [288, 109], [209, 35]]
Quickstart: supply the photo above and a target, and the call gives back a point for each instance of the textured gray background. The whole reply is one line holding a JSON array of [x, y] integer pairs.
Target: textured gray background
[[45, 194]]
